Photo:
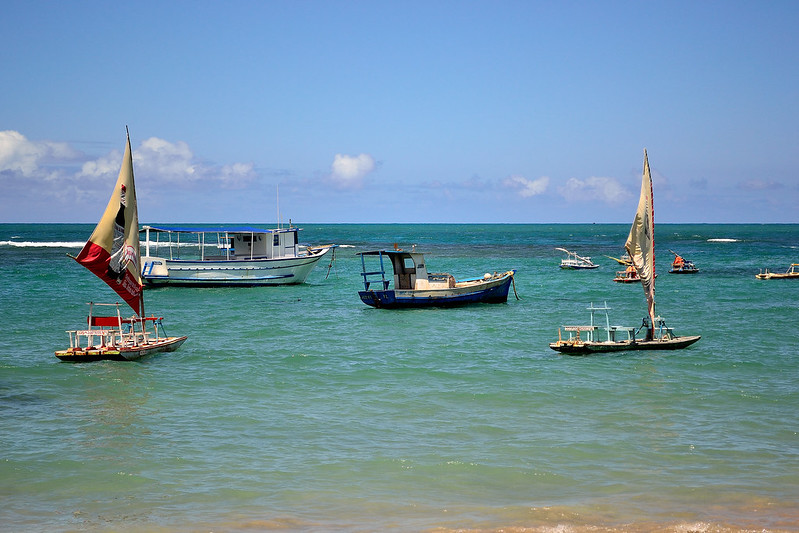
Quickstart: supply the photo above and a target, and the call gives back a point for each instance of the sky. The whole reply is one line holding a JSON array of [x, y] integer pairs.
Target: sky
[[401, 112]]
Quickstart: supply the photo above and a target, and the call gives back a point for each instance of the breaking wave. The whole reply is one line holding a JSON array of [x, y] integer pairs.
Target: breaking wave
[[32, 244]]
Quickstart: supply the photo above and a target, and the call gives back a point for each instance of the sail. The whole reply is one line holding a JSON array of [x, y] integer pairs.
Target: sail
[[641, 241], [112, 251]]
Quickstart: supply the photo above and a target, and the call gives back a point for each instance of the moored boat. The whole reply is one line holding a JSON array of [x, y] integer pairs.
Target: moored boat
[[412, 286], [112, 254], [680, 265], [791, 273], [628, 275], [588, 339], [222, 256], [116, 338], [640, 246], [572, 261]]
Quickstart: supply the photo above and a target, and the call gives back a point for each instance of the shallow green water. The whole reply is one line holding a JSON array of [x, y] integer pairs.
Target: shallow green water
[[300, 408]]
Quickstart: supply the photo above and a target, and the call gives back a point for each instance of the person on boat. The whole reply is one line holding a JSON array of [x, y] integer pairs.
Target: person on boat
[[679, 262]]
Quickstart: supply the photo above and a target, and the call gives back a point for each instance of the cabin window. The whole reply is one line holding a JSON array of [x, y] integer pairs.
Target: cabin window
[[276, 240], [409, 263]]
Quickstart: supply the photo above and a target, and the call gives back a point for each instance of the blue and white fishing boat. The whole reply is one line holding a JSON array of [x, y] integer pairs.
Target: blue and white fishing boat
[[413, 286], [225, 256]]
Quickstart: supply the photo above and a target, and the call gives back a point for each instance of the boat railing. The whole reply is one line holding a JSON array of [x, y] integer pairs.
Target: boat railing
[[109, 331], [367, 283]]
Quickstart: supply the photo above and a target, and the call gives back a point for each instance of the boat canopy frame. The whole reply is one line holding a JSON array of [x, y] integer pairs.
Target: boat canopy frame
[[224, 238]]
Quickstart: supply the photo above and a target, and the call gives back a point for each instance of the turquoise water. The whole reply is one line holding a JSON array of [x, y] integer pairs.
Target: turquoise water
[[301, 409]]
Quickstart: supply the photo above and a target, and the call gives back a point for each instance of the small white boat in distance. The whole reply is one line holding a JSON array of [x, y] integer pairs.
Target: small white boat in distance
[[225, 256], [572, 261]]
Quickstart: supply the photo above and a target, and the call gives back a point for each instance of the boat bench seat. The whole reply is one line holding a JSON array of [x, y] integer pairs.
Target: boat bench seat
[[621, 329]]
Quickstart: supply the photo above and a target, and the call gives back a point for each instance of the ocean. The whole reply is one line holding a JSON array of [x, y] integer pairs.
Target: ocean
[[299, 408]]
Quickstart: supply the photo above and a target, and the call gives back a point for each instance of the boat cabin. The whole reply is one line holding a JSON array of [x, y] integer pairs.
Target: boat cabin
[[409, 272], [220, 243]]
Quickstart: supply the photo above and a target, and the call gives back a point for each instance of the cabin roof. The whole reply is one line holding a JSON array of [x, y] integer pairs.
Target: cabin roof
[[389, 253], [216, 229]]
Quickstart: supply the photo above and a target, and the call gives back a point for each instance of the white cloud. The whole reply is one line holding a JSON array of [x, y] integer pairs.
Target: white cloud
[[26, 158], [170, 163], [348, 171], [107, 165], [527, 188], [605, 190]]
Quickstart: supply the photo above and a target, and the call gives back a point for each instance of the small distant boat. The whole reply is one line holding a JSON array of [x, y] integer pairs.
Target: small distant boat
[[641, 247], [680, 265], [225, 256], [791, 273], [112, 254], [628, 275], [414, 287], [572, 261]]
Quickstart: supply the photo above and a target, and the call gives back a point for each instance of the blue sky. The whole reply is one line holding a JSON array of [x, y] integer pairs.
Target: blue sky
[[518, 112]]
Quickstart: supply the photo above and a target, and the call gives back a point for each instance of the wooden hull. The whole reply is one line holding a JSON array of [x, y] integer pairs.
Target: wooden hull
[[771, 275], [220, 273], [86, 355], [491, 291], [585, 348]]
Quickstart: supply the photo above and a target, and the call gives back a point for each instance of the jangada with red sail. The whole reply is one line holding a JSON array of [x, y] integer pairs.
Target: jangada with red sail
[[112, 254]]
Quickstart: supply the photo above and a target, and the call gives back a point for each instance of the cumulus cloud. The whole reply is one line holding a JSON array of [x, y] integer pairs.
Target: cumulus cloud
[[525, 187], [158, 159], [348, 172], [30, 159], [605, 190]]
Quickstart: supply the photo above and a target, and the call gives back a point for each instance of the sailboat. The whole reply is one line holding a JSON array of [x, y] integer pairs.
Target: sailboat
[[112, 254], [640, 246]]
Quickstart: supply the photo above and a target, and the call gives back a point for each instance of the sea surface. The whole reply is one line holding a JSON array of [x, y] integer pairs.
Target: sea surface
[[299, 408]]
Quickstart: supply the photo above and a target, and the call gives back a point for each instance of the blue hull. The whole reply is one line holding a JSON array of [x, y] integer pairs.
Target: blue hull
[[393, 299]]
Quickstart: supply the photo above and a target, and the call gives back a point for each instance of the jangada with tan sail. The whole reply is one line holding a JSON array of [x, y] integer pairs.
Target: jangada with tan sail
[[640, 246], [112, 254]]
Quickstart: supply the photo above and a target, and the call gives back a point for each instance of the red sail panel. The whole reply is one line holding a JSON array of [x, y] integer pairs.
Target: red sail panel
[[112, 252]]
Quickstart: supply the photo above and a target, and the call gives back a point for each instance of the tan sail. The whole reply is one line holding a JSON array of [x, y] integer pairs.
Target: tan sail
[[112, 251], [641, 241]]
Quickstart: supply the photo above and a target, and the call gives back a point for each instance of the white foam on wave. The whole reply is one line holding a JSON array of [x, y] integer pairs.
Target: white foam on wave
[[32, 244], [723, 240]]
